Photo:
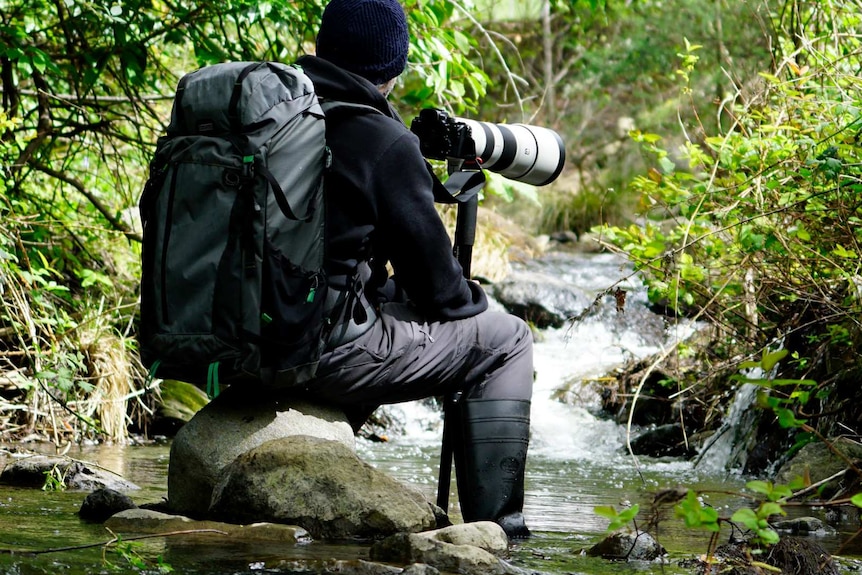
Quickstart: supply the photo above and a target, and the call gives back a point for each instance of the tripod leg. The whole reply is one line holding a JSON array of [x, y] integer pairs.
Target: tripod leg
[[445, 477]]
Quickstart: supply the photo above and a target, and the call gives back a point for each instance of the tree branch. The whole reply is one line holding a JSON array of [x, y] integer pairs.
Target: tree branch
[[115, 222]]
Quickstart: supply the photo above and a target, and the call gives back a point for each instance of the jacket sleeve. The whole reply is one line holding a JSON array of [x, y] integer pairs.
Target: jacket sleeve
[[413, 235]]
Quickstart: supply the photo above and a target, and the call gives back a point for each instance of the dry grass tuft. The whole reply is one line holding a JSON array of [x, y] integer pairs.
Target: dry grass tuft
[[111, 373]]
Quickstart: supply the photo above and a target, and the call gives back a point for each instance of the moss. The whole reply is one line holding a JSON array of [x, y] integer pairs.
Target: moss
[[180, 400]]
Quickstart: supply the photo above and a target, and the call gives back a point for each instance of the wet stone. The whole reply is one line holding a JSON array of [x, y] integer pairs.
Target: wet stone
[[628, 546], [101, 504], [34, 471]]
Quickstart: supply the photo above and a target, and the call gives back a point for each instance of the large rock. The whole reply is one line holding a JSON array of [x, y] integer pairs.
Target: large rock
[[320, 485], [469, 549], [237, 421], [547, 293], [542, 299], [818, 461], [804, 526]]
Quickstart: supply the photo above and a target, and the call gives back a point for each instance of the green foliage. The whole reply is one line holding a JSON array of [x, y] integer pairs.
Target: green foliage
[[695, 514], [755, 225], [443, 70], [129, 553], [86, 91], [757, 520], [618, 519], [55, 479], [772, 492], [786, 404], [596, 69]]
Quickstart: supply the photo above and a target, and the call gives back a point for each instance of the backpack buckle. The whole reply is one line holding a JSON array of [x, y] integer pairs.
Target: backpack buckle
[[248, 167]]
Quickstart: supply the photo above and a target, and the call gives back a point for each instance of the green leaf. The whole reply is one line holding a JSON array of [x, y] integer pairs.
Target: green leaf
[[749, 364], [762, 487], [843, 252], [856, 500], [771, 508], [605, 511], [769, 360], [39, 59], [793, 382], [708, 515], [13, 53], [768, 536], [787, 419], [628, 514], [781, 492], [769, 77], [639, 136], [90, 278], [691, 518], [747, 517]]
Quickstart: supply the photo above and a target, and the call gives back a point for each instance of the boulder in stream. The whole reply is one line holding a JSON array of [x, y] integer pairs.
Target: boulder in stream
[[321, 485], [101, 504], [818, 462], [235, 422], [541, 299], [176, 404]]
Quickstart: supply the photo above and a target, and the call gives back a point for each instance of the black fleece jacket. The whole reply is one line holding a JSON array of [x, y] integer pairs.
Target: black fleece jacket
[[380, 202]]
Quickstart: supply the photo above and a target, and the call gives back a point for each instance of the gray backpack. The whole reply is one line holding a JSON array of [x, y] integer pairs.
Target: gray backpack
[[232, 282]]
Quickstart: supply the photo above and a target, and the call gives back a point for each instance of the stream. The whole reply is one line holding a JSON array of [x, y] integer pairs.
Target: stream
[[576, 462]]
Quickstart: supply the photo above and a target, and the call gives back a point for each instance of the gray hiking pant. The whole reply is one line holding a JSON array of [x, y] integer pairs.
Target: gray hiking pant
[[403, 357]]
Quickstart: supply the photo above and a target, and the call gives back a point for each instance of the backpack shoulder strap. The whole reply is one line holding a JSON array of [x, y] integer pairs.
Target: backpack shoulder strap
[[338, 106]]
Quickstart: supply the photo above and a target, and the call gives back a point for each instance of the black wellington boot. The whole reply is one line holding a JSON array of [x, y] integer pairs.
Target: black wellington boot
[[490, 453]]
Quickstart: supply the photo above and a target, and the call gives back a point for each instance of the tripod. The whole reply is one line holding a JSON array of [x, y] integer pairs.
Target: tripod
[[463, 186]]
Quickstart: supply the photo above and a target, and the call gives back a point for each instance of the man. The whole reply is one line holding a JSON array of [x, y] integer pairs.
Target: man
[[426, 330]]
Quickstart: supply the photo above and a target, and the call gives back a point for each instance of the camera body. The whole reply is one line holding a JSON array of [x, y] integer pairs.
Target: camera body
[[530, 154], [442, 137]]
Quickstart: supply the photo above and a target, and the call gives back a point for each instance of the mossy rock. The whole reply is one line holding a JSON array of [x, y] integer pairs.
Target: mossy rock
[[178, 403], [818, 461]]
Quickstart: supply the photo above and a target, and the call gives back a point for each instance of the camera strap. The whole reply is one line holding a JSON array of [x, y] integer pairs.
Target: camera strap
[[460, 187]]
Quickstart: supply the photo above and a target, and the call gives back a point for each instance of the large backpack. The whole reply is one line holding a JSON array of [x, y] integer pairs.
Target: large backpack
[[233, 222]]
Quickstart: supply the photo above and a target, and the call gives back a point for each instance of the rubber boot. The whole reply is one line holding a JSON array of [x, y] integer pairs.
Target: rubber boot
[[490, 453]]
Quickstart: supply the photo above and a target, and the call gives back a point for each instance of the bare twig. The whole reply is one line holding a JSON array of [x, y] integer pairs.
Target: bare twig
[[109, 542]]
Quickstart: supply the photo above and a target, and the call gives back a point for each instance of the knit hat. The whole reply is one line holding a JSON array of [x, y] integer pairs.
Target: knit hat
[[366, 37]]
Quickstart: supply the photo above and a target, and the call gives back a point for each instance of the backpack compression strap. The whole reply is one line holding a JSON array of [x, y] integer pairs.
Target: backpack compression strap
[[248, 154]]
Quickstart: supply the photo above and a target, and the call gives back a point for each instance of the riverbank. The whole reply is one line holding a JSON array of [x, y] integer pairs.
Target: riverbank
[[579, 457]]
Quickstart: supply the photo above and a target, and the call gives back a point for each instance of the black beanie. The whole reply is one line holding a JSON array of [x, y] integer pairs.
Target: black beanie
[[366, 37]]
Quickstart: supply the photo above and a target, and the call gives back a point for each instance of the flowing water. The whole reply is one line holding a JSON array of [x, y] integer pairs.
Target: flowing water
[[577, 461]]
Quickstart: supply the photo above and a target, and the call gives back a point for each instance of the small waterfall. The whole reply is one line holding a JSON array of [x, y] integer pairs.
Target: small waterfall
[[729, 447], [592, 348], [576, 460]]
